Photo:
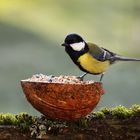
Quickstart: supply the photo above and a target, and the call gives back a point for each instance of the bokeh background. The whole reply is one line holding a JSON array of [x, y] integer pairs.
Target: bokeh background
[[31, 33]]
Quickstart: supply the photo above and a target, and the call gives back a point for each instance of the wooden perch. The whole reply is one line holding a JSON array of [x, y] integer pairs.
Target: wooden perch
[[118, 123]]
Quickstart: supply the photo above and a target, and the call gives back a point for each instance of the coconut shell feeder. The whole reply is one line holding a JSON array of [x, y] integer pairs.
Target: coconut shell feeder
[[63, 97]]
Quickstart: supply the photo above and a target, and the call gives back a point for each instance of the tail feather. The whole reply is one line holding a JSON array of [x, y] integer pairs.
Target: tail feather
[[122, 58]]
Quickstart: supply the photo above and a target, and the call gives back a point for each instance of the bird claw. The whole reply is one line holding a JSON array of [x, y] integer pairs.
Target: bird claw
[[81, 78]]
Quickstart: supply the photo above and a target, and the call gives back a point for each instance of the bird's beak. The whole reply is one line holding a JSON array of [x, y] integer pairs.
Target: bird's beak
[[64, 44]]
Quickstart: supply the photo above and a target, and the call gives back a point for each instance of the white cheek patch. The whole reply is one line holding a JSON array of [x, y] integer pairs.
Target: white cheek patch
[[78, 46]]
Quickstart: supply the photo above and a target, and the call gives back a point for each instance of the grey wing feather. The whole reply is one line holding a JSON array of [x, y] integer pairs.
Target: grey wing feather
[[109, 55], [101, 54]]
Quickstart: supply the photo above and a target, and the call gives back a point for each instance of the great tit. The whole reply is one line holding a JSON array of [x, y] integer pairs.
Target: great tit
[[89, 57]]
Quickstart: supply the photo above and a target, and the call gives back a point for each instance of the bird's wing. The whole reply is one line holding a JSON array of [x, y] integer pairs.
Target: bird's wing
[[100, 54]]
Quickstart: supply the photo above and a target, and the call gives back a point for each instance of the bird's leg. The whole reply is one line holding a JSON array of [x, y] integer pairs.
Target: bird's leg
[[82, 76], [102, 75]]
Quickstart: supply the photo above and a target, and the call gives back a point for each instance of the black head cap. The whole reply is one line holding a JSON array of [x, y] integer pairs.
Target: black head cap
[[73, 38]]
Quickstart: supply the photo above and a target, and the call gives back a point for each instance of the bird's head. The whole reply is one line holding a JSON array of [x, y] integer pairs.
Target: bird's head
[[75, 42]]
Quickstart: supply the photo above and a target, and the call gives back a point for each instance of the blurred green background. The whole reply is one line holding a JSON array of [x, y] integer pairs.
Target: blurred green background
[[31, 32]]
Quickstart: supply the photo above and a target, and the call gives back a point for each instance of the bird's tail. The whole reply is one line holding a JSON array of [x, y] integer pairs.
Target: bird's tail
[[122, 58]]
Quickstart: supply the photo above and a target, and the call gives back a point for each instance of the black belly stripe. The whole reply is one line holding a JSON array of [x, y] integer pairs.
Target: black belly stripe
[[74, 55]]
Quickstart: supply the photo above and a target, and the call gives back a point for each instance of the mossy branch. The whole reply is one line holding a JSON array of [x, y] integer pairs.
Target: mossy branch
[[118, 117]]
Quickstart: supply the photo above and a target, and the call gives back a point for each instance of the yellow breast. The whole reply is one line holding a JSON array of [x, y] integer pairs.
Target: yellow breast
[[92, 65]]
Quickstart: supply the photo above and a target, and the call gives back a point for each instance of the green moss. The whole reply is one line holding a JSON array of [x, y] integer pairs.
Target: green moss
[[82, 122], [121, 112], [22, 120], [135, 108], [98, 114], [25, 121], [105, 110], [7, 119]]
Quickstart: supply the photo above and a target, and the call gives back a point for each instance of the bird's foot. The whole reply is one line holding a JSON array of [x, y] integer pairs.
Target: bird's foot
[[102, 75], [81, 78]]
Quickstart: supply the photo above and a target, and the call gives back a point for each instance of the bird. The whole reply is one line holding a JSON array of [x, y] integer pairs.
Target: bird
[[89, 57]]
